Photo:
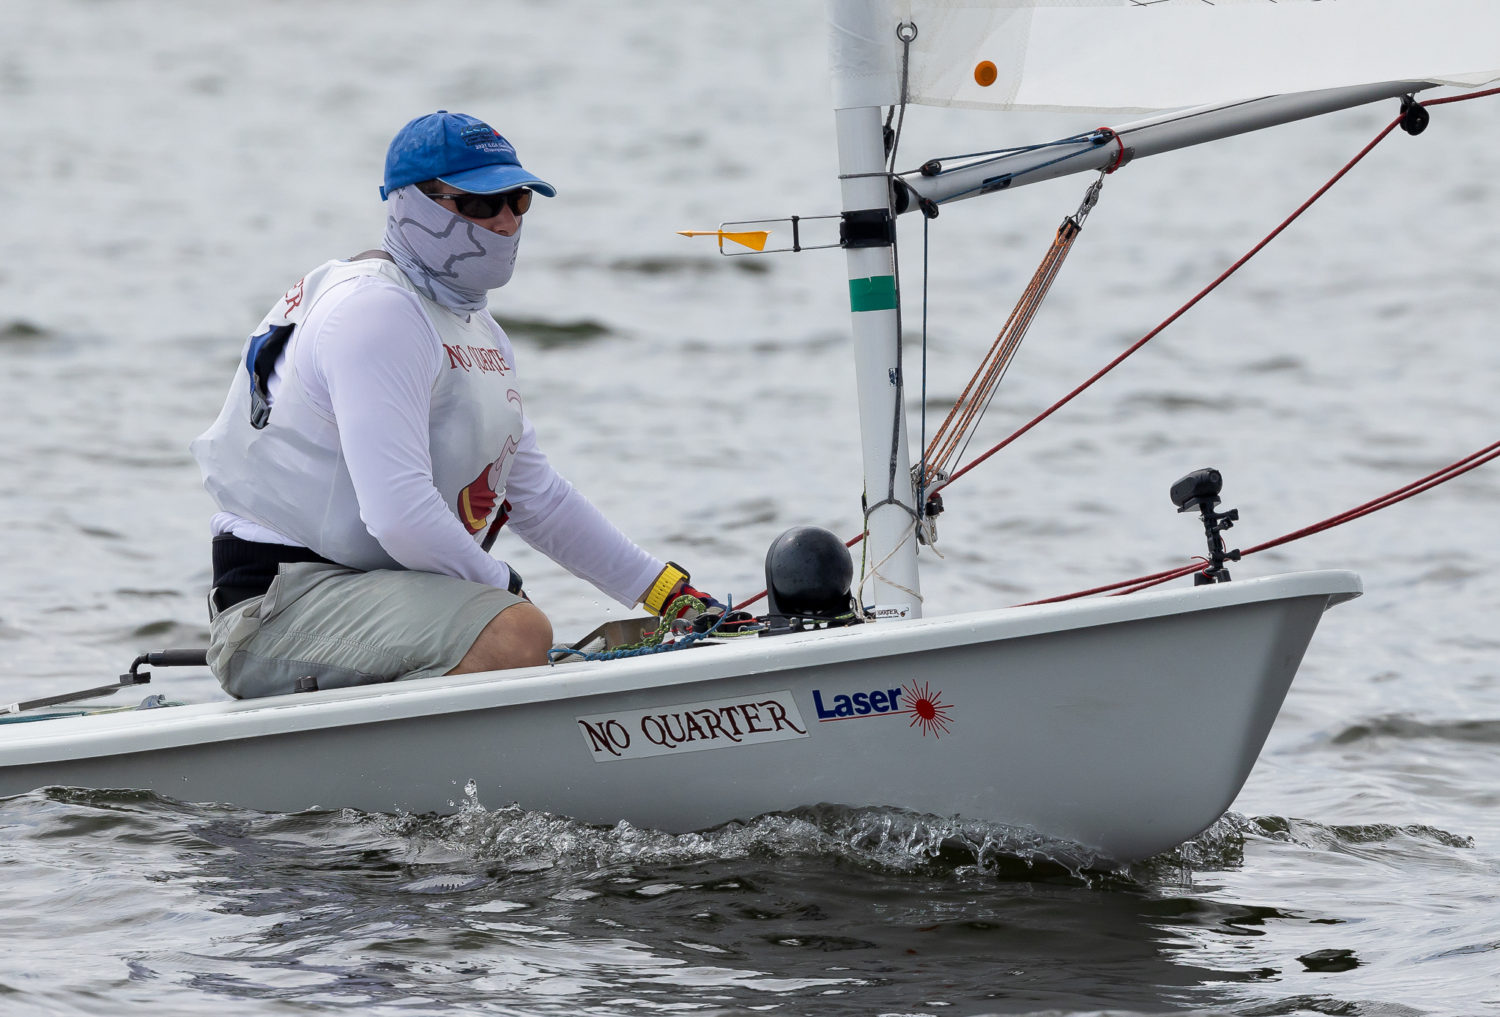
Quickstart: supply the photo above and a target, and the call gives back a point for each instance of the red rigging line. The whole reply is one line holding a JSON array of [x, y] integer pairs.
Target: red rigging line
[[1213, 285], [1432, 480], [1205, 291], [1416, 487]]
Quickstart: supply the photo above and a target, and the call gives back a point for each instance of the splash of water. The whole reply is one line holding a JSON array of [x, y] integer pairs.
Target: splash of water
[[881, 839]]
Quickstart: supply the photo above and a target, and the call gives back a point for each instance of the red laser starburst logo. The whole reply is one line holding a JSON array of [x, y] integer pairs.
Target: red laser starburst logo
[[927, 709]]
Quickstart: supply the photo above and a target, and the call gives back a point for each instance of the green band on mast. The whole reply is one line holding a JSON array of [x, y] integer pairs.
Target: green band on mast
[[877, 293]]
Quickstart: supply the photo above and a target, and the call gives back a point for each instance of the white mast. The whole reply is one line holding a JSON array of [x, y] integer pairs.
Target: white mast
[[890, 547]]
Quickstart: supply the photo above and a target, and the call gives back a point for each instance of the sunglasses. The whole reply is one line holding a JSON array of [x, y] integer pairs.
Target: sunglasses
[[487, 206]]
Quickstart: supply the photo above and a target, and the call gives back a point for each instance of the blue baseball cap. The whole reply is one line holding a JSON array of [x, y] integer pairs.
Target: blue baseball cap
[[458, 150]]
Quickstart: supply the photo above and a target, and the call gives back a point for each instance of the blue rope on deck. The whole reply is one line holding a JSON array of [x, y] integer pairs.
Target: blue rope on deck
[[653, 643]]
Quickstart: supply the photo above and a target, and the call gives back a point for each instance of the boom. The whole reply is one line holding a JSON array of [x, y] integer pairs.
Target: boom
[[1168, 132]]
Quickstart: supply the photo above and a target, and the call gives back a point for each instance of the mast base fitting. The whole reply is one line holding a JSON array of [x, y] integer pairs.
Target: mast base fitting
[[1200, 490]]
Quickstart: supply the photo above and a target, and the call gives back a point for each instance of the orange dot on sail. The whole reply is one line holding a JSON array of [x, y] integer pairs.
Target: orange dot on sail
[[985, 73]]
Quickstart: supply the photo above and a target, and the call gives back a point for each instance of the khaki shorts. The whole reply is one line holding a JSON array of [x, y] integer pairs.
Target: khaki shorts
[[342, 627]]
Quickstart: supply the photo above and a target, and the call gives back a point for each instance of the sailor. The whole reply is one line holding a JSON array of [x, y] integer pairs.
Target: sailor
[[375, 440]]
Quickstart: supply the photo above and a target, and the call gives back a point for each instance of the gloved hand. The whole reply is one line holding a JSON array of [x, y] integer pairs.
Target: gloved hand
[[672, 598], [684, 603], [709, 603]]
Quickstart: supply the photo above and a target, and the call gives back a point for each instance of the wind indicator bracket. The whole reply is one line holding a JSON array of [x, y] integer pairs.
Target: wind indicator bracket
[[754, 236], [1200, 490]]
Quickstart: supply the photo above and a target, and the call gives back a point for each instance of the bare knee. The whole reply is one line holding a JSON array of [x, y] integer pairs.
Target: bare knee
[[518, 636]]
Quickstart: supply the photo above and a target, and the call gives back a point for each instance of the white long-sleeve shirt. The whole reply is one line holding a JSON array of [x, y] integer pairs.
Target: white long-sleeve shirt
[[368, 357]]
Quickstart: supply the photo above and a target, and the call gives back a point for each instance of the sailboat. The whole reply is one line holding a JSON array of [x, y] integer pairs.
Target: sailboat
[[1122, 725]]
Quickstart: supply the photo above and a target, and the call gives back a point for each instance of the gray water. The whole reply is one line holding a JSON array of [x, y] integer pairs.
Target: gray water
[[167, 169]]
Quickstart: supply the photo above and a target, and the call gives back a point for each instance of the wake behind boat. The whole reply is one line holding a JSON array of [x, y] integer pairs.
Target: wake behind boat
[[1125, 725]]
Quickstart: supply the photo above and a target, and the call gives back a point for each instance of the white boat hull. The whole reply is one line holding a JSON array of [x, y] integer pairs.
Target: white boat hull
[[1126, 725]]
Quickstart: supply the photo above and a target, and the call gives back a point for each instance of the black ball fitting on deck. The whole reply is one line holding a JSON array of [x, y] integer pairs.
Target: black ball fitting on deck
[[1200, 490]]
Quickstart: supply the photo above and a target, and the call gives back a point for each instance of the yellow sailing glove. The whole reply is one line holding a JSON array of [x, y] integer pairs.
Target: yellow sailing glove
[[661, 589]]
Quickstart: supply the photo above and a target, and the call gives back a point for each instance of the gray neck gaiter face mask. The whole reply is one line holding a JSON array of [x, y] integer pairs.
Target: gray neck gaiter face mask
[[448, 258]]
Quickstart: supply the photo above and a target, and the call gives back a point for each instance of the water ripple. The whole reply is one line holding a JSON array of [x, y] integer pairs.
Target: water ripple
[[1483, 732]]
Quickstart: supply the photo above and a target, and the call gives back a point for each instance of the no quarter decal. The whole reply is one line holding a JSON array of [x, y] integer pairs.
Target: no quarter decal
[[691, 727]]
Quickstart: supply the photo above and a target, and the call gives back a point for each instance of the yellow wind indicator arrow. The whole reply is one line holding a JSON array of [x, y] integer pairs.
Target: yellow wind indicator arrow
[[754, 239]]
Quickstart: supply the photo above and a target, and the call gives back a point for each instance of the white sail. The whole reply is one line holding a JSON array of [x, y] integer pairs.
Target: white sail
[[1145, 55]]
